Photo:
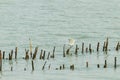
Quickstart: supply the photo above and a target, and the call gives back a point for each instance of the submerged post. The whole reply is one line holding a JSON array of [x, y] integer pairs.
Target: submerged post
[[115, 64], [0, 61]]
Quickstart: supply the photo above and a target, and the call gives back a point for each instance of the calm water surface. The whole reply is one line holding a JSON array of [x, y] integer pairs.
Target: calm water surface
[[51, 23]]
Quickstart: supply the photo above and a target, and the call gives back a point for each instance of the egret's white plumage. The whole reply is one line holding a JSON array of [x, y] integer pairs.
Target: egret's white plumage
[[71, 42]]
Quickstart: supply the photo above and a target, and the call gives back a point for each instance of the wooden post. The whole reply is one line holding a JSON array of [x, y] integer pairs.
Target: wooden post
[[49, 66], [105, 66], [26, 55], [32, 65], [0, 61], [16, 49], [41, 54], [30, 47], [64, 50], [48, 55], [60, 67], [115, 64], [76, 49], [90, 50], [44, 65], [98, 46], [104, 46], [87, 64], [35, 52], [86, 50], [68, 51], [117, 47], [11, 54], [3, 54], [54, 52], [72, 67], [82, 48], [63, 66], [98, 66]]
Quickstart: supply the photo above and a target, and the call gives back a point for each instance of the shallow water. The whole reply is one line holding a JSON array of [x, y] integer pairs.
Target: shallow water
[[51, 23]]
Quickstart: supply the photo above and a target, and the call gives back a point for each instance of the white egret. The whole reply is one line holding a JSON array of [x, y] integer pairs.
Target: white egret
[[71, 42]]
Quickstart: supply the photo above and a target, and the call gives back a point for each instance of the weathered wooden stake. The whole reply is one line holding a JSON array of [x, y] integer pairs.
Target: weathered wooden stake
[[41, 54], [63, 66], [98, 46], [3, 54], [82, 48], [54, 52], [26, 56], [117, 47], [86, 50], [68, 51], [35, 52], [60, 67], [76, 49], [30, 47], [90, 50], [16, 49], [98, 66], [105, 66], [115, 64], [48, 55], [11, 68], [104, 46], [32, 65], [44, 65], [64, 50], [0, 61], [87, 64], [72, 67], [49, 66]]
